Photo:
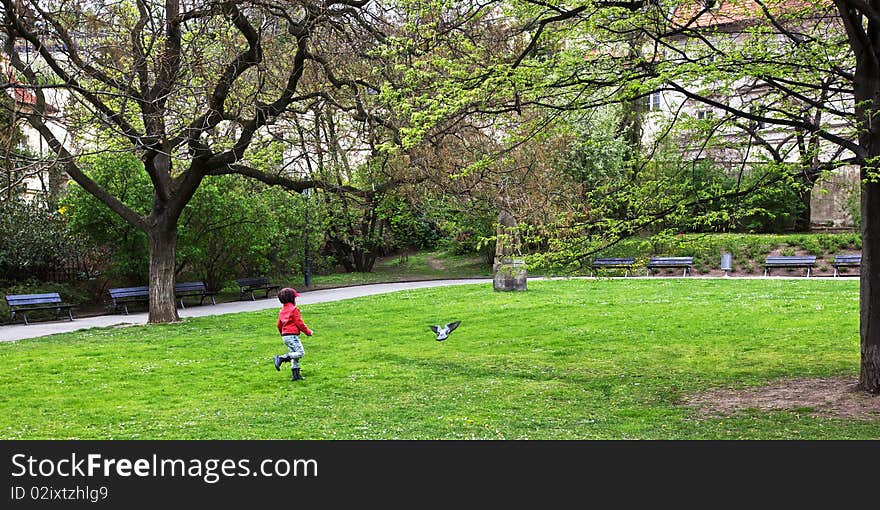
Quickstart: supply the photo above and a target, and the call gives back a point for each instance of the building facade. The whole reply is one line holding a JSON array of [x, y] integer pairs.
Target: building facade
[[709, 31]]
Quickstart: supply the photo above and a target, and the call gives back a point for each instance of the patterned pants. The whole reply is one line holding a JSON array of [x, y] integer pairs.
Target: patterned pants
[[296, 349]]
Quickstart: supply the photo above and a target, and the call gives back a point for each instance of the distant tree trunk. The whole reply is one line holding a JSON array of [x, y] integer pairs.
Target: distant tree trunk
[[163, 245], [341, 253], [803, 221], [355, 243], [632, 116]]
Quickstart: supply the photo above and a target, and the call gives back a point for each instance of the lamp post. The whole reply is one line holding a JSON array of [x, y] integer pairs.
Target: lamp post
[[307, 269]]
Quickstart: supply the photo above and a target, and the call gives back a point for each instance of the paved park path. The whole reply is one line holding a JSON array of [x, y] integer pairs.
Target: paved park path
[[37, 329]]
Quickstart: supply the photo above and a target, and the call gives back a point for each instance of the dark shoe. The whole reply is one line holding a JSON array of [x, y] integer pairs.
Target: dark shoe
[[296, 376], [279, 360]]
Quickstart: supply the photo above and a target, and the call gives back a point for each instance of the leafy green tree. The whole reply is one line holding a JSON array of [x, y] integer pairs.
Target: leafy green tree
[[232, 227], [190, 89], [784, 61], [127, 247]]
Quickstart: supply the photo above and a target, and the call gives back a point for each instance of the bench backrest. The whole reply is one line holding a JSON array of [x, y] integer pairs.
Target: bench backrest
[[613, 261], [33, 299], [847, 259], [806, 259], [121, 292], [190, 287], [659, 261], [248, 282]]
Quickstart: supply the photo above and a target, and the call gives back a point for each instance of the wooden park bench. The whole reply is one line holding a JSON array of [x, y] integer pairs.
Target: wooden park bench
[[23, 303], [806, 261], [122, 296], [685, 263], [625, 263], [254, 284], [846, 261], [199, 289]]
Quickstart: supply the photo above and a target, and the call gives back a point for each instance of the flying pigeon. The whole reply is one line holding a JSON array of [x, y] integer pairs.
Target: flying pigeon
[[443, 332]]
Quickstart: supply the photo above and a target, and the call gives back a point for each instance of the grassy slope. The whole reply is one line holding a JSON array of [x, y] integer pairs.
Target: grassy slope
[[577, 359], [416, 266]]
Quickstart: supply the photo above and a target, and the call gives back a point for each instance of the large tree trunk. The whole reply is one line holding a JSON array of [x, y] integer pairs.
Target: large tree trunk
[[869, 375], [163, 245], [866, 94]]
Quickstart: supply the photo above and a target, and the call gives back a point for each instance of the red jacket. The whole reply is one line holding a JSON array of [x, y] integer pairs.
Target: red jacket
[[290, 321]]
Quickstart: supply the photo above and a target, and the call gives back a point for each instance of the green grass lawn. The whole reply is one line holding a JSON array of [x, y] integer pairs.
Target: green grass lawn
[[572, 359]]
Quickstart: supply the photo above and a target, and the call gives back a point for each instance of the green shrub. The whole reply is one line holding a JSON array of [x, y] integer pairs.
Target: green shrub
[[707, 248], [469, 235], [34, 240], [834, 243], [808, 243], [408, 228]]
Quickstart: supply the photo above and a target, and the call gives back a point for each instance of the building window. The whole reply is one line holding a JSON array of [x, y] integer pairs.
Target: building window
[[653, 101]]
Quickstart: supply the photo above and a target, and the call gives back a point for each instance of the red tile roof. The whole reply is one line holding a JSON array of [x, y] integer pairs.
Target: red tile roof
[[725, 12], [23, 95]]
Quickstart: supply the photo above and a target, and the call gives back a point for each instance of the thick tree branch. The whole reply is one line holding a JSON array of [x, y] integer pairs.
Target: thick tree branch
[[799, 124]]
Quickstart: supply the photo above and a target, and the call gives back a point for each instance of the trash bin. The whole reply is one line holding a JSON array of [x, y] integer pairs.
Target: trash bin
[[726, 263]]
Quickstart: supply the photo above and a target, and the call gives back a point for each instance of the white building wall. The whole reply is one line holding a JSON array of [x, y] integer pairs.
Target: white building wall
[[829, 205]]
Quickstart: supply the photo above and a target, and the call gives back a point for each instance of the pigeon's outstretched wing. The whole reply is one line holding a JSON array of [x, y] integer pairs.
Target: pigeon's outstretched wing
[[444, 331]]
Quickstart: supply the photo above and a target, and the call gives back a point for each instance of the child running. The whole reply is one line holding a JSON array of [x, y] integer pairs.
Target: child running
[[290, 325]]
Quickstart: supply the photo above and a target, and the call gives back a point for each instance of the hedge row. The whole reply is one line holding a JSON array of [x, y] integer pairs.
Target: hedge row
[[748, 250]]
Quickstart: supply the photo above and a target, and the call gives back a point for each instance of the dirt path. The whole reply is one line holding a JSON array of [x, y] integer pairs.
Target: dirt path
[[827, 397], [435, 264]]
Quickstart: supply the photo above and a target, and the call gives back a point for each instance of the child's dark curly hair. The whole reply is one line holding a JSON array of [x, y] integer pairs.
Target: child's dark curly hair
[[287, 295]]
